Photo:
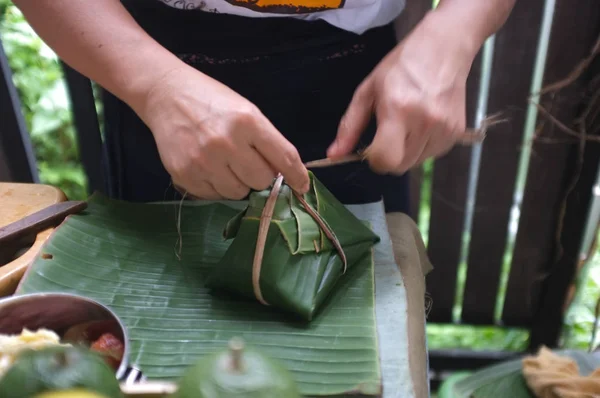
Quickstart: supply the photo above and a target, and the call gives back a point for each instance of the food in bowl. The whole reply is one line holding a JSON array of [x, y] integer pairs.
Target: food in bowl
[[57, 371], [78, 320], [12, 345], [98, 336]]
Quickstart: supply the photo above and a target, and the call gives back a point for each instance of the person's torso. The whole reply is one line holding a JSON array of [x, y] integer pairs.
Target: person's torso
[[352, 15]]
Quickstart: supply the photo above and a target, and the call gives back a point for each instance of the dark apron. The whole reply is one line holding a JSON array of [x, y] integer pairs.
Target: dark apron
[[301, 75]]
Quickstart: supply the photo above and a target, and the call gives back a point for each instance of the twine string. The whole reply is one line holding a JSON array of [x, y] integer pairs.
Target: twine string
[[263, 229]]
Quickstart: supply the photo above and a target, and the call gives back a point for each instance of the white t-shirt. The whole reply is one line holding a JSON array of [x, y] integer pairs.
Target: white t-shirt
[[352, 15]]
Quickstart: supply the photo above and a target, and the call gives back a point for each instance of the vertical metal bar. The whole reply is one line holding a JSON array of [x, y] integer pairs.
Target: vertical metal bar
[[482, 102], [528, 133], [15, 146]]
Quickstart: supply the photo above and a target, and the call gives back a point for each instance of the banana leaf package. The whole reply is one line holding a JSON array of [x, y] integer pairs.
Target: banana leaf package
[[289, 250]]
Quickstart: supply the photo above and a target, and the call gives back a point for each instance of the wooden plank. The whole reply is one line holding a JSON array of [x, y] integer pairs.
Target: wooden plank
[[18, 160], [514, 57], [85, 117], [559, 272], [448, 200], [574, 32], [18, 201]]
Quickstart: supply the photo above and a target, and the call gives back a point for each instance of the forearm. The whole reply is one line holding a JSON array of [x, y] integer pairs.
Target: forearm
[[471, 21], [101, 40]]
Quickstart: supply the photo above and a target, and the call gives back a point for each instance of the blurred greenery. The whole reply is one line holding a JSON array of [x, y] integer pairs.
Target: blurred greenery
[[38, 77]]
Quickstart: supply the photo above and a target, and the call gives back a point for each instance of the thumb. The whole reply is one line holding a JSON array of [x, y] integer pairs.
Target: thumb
[[354, 121]]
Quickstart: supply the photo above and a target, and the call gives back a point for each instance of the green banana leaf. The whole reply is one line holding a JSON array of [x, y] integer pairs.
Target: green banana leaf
[[125, 255], [300, 266], [505, 379]]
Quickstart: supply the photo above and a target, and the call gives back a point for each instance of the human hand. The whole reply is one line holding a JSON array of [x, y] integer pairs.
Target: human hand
[[214, 143], [418, 96]]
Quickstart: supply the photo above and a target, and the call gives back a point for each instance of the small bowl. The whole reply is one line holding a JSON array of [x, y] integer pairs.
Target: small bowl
[[59, 312]]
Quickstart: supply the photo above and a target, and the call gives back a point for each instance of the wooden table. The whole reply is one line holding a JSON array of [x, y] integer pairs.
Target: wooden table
[[18, 201]]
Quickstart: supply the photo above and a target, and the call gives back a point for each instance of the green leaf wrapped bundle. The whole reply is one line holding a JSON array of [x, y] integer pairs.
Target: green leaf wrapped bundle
[[289, 250]]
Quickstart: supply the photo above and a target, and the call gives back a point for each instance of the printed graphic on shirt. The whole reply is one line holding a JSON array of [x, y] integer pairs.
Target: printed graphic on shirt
[[355, 16], [288, 6], [270, 6], [185, 4]]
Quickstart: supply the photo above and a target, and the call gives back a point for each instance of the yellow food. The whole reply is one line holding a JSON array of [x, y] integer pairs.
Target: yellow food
[[76, 393], [12, 345]]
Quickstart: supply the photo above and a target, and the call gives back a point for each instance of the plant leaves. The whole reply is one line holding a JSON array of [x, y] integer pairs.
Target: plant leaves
[[298, 270], [506, 379], [498, 381], [123, 255]]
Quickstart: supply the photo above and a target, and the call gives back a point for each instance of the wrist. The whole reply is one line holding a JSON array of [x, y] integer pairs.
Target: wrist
[[139, 74], [456, 34]]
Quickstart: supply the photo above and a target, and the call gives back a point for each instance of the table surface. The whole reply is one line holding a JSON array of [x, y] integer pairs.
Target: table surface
[[18, 201]]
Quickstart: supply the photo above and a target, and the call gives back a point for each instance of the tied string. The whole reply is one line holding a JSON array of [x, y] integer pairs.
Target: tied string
[[263, 229]]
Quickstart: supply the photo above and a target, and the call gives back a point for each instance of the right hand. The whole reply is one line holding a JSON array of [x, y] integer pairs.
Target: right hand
[[214, 143]]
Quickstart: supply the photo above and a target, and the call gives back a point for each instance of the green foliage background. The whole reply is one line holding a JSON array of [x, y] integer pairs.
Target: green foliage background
[[37, 75], [38, 78]]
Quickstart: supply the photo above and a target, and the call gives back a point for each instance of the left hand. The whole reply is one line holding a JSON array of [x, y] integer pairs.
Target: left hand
[[417, 93]]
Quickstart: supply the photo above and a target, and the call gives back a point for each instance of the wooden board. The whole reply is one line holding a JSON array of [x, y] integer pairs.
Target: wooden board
[[514, 57], [18, 201], [448, 199], [552, 170]]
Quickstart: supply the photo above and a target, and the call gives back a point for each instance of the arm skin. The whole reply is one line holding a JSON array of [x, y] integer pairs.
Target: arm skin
[[418, 91], [476, 20], [214, 143]]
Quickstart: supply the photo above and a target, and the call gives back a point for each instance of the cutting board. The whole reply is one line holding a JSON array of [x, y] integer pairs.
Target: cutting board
[[18, 201]]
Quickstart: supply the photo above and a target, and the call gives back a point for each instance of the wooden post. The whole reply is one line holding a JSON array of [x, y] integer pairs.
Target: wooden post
[[17, 160]]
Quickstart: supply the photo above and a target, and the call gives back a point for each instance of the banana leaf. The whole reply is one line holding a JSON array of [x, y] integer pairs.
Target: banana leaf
[[125, 255], [505, 379], [301, 264]]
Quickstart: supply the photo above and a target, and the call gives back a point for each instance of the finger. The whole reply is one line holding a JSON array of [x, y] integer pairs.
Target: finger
[[388, 147], [282, 156], [421, 137], [354, 121], [184, 193], [415, 145], [200, 189], [228, 185], [252, 169], [438, 143]]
